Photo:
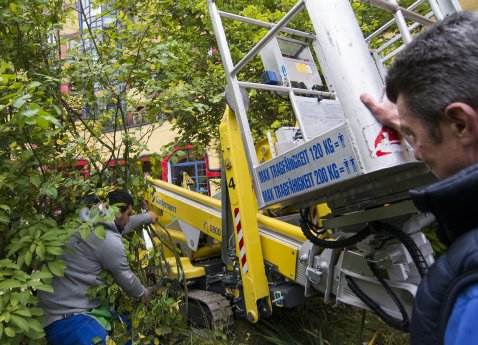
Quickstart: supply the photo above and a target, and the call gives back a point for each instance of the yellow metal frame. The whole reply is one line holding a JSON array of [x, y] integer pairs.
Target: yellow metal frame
[[243, 200], [184, 210], [281, 256], [251, 244], [273, 252], [190, 271], [263, 150]]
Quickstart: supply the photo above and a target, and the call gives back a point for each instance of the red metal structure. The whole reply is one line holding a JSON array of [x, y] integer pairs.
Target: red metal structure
[[195, 165], [81, 165]]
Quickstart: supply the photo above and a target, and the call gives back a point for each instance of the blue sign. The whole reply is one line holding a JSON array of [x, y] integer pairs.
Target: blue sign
[[323, 161]]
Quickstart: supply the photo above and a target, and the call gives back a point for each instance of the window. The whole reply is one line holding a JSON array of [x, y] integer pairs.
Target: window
[[193, 164]]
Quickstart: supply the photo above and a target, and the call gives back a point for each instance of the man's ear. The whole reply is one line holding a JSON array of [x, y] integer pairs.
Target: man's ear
[[464, 122]]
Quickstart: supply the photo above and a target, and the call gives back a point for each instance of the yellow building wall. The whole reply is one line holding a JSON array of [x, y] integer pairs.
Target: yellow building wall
[[165, 135], [160, 136], [71, 24], [469, 5], [155, 137]]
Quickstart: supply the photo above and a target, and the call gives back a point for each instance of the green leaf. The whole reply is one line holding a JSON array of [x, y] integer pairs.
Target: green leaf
[[13, 248], [35, 180], [41, 275], [26, 155], [30, 121], [100, 232], [36, 311], [23, 312], [52, 120], [19, 321], [57, 268], [50, 222], [23, 296], [28, 257], [10, 284], [35, 325], [51, 192], [7, 263], [50, 235], [35, 334], [44, 287], [40, 251], [21, 260], [84, 232], [4, 219], [20, 276], [30, 112], [19, 102], [13, 300], [54, 250], [6, 316], [9, 331], [162, 330], [33, 84], [42, 122], [5, 208], [57, 110]]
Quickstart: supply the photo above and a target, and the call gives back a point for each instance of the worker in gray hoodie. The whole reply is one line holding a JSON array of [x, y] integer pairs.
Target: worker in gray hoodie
[[71, 316]]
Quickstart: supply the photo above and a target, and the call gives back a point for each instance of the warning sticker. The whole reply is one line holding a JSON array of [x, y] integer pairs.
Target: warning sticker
[[303, 68], [382, 140]]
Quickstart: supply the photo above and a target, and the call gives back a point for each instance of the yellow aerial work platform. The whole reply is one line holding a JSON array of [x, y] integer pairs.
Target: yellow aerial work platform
[[322, 207]]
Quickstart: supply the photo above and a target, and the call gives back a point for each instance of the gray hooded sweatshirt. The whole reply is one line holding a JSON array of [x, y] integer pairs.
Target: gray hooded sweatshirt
[[85, 260]]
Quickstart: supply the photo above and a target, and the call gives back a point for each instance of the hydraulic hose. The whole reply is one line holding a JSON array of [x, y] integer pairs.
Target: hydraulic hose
[[308, 231], [407, 241], [401, 325]]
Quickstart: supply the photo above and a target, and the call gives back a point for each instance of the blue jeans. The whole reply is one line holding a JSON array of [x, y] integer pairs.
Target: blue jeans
[[80, 330], [76, 330]]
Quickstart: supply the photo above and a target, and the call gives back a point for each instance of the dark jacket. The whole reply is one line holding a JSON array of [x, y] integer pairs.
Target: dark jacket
[[454, 202], [438, 290]]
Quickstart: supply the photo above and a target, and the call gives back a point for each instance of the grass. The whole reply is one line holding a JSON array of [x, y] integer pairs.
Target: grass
[[312, 324]]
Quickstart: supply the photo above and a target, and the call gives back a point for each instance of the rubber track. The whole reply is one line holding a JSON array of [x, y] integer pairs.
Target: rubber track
[[218, 305]]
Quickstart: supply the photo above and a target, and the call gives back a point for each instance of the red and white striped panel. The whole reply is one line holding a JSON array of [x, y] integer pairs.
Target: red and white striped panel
[[240, 240]]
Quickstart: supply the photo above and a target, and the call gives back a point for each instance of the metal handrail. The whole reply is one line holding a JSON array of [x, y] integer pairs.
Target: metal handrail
[[268, 37], [266, 87], [390, 23], [393, 8], [266, 25]]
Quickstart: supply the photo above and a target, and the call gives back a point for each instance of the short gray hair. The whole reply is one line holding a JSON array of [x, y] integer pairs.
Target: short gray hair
[[439, 67]]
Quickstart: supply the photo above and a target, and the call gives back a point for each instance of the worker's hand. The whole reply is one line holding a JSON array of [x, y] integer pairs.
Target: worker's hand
[[154, 217], [385, 112], [146, 296], [154, 290]]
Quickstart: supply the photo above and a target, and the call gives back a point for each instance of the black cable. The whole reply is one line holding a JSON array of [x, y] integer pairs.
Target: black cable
[[419, 261], [402, 325], [373, 268], [309, 230], [347, 242], [407, 241], [312, 227]]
